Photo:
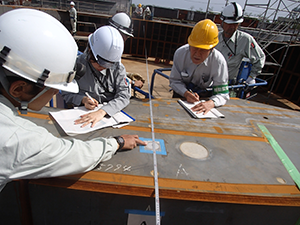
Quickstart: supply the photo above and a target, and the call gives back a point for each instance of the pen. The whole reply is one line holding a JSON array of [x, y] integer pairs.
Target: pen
[[195, 94], [190, 90], [87, 94]]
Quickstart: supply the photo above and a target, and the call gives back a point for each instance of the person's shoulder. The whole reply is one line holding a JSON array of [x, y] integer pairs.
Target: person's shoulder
[[117, 67], [183, 48], [244, 35], [182, 51], [6, 107], [82, 58], [217, 55], [220, 38], [220, 35]]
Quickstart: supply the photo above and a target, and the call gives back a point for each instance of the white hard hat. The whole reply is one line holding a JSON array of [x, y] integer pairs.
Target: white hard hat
[[72, 3], [232, 13], [37, 47], [107, 45], [122, 22]]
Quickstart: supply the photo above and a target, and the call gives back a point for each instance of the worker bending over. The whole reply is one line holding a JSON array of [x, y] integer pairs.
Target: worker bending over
[[104, 79], [197, 66], [31, 72]]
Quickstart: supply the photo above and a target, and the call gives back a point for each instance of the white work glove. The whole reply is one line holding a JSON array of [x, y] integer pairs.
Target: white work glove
[[250, 80]]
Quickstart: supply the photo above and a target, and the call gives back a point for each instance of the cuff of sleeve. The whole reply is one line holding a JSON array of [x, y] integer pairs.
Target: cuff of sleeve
[[108, 109], [215, 102], [114, 144], [78, 100]]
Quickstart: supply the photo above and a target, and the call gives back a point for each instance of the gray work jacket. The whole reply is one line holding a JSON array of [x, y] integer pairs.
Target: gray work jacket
[[241, 45], [210, 73], [109, 85]]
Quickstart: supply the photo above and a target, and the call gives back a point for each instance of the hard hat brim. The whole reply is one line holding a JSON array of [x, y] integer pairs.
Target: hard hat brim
[[233, 21], [68, 87], [207, 47], [126, 33]]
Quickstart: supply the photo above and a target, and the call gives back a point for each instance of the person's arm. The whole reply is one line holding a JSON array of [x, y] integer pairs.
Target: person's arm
[[257, 57], [117, 100], [36, 153], [73, 98], [85, 83], [175, 79], [219, 71], [75, 15]]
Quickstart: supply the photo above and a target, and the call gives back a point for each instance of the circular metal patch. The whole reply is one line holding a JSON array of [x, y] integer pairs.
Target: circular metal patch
[[280, 180], [194, 150]]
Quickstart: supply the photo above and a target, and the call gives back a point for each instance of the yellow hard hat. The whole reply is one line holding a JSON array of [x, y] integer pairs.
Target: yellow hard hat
[[204, 35], [139, 5]]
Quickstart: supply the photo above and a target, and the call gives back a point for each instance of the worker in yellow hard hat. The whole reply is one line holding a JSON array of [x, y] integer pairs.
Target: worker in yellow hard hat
[[197, 66], [138, 12]]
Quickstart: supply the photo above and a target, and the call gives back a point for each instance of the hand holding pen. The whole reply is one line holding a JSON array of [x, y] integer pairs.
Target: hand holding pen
[[191, 96], [89, 102]]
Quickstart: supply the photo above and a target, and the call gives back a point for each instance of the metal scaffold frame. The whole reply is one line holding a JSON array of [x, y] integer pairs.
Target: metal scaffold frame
[[279, 23]]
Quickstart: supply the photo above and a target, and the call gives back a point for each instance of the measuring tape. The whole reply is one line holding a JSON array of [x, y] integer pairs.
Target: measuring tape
[[157, 208]]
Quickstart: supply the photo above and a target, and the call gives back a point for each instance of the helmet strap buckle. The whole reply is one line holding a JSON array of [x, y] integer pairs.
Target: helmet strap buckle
[[41, 80], [23, 107], [3, 54]]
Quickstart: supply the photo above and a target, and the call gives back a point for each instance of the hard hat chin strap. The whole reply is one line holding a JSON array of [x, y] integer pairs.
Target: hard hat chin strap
[[3, 54], [23, 104], [5, 83], [41, 80]]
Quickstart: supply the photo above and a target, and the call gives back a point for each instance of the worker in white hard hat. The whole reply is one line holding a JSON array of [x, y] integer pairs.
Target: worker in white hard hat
[[197, 66], [236, 45], [104, 79], [122, 22], [31, 72], [73, 18], [147, 13]]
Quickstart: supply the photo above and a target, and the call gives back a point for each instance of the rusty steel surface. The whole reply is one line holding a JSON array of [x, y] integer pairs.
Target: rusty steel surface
[[238, 151], [240, 160]]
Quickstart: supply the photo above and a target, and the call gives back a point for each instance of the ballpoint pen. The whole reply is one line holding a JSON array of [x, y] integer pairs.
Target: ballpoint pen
[[87, 94], [194, 93], [190, 90]]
